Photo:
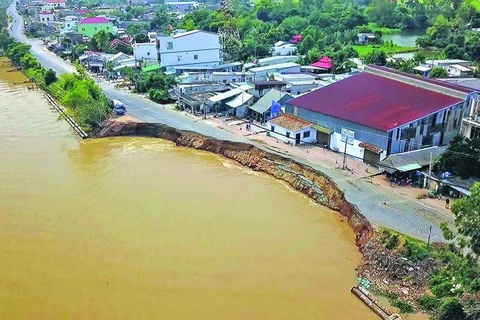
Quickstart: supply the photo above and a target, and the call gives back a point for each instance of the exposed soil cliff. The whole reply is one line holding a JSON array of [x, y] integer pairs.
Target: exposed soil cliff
[[305, 179]]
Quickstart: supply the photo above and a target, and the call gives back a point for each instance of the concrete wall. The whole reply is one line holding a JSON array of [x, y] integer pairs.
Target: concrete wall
[[228, 77], [263, 75], [90, 29], [284, 50], [46, 18], [301, 88], [196, 49], [145, 51]]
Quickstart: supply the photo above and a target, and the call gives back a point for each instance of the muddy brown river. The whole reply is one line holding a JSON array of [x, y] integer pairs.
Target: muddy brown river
[[136, 228]]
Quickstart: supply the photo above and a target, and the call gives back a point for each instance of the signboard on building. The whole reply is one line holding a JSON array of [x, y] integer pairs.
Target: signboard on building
[[348, 135]]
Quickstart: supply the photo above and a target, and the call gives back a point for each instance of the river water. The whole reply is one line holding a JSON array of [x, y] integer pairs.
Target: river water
[[136, 228]]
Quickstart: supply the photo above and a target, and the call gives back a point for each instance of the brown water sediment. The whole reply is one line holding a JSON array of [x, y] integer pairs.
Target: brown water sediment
[[303, 178]]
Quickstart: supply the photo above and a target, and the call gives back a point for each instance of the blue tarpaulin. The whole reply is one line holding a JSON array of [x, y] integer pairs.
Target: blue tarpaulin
[[275, 109]]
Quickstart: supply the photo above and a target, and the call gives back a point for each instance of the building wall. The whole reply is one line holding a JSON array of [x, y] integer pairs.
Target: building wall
[[302, 88], [436, 129], [90, 29], [284, 50], [233, 77], [145, 51], [71, 24], [362, 133], [281, 134], [197, 49], [46, 18]]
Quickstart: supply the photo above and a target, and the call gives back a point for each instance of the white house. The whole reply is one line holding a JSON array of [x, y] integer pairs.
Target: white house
[[46, 17], [457, 70], [145, 51], [152, 36], [292, 129], [192, 48], [282, 48], [54, 4], [229, 77], [276, 60], [71, 23], [262, 73]]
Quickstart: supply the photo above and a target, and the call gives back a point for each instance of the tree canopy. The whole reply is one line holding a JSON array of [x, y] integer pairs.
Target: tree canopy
[[461, 158]]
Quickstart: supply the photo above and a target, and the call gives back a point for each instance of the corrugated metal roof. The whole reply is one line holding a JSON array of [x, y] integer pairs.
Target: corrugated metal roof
[[275, 66], [265, 102], [375, 101], [225, 95], [240, 100]]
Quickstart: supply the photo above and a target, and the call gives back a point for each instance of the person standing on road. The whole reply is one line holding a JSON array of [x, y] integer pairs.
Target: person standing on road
[[447, 203]]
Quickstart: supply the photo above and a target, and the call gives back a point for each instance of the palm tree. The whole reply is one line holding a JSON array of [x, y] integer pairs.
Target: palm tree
[[102, 40]]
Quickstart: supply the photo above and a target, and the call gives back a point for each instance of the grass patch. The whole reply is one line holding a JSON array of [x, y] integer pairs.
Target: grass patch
[[375, 27], [397, 302], [388, 48], [413, 249]]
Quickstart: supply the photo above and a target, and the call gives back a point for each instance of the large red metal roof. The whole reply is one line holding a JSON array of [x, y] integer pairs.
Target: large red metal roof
[[374, 101]]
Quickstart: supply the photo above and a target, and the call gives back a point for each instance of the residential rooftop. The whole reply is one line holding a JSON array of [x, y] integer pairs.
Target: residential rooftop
[[275, 66], [376, 101], [94, 20], [290, 122]]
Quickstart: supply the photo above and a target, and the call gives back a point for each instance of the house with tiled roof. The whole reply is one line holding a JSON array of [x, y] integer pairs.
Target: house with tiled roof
[[291, 129], [91, 25], [382, 111]]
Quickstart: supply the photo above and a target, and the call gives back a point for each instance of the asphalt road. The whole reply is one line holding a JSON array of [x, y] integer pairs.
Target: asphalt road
[[139, 108], [381, 206]]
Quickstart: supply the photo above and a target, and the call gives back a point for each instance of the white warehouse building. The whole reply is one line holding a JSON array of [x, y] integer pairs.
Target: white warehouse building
[[192, 48]]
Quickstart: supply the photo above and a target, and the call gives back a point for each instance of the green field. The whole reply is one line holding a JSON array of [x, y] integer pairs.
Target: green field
[[365, 49]]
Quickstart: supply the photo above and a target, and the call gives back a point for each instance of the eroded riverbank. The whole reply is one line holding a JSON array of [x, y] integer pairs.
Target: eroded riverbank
[[303, 178]]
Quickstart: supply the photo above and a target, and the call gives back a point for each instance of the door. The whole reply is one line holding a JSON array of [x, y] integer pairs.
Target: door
[[371, 158], [297, 138]]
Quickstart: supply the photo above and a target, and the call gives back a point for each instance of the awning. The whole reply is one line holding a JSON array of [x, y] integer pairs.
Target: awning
[[322, 129], [460, 189], [151, 68], [409, 167], [370, 147]]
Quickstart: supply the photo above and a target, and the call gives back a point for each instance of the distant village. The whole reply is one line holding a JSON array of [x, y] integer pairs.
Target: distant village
[[393, 120]]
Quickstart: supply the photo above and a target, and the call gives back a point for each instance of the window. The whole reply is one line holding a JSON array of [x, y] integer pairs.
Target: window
[[195, 57], [306, 134], [179, 58], [169, 45], [95, 28], [272, 128], [224, 81], [83, 29], [148, 53], [288, 134]]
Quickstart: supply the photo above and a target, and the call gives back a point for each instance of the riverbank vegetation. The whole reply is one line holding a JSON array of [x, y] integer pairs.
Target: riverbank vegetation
[[435, 278], [77, 92]]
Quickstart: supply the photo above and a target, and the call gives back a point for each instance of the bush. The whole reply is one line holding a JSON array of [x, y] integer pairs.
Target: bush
[[451, 309], [49, 77], [441, 286], [415, 251], [429, 303], [159, 96], [392, 241], [402, 305]]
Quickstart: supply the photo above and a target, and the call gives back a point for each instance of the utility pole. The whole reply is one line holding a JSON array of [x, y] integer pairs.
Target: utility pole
[[429, 235], [429, 172], [345, 153]]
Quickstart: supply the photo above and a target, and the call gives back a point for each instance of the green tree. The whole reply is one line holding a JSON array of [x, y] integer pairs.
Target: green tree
[[376, 57], [438, 72], [306, 44], [141, 38], [461, 157], [472, 45], [467, 218]]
